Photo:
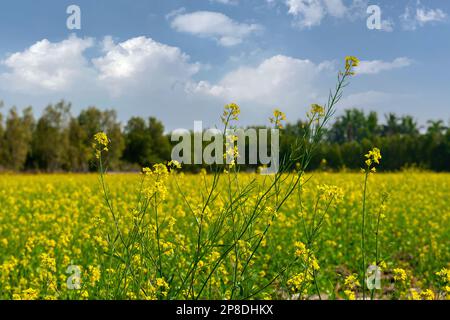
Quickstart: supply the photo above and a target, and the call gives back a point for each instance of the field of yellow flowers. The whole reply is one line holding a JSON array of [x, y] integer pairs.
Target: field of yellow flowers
[[163, 234], [58, 239]]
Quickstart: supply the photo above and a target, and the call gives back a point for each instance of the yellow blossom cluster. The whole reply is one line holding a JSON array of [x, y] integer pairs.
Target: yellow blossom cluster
[[49, 223]]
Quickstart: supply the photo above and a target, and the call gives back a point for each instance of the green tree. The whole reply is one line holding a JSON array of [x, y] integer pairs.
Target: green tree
[[2, 134], [17, 138], [93, 120], [79, 151], [138, 142], [353, 126], [50, 139], [392, 126], [436, 127], [146, 143], [408, 126], [161, 145]]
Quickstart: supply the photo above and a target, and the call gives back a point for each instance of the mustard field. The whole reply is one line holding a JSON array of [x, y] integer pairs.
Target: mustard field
[[168, 235]]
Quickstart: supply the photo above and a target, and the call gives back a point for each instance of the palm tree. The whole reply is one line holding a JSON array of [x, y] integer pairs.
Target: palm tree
[[436, 127], [408, 126]]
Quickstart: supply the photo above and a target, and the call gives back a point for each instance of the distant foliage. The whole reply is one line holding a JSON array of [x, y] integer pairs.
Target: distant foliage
[[59, 141]]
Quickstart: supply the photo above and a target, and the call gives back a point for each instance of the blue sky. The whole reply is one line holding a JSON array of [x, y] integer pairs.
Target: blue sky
[[183, 60]]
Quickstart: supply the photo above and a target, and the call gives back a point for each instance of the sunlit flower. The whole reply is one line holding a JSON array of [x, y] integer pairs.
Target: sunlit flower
[[399, 275], [231, 112], [351, 282], [101, 143], [427, 294], [351, 63], [278, 117], [372, 158]]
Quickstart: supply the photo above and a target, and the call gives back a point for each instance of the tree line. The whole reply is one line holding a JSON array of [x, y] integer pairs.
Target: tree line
[[58, 141]]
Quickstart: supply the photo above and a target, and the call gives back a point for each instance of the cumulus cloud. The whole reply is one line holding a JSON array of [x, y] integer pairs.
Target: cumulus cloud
[[413, 18], [47, 66], [307, 13], [145, 77], [311, 13], [279, 80], [377, 66], [214, 25], [137, 75], [142, 64]]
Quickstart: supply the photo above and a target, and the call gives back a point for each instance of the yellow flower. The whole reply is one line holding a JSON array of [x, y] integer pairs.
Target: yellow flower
[[399, 275], [316, 111], [131, 296], [30, 294], [157, 185], [372, 158], [300, 249], [382, 265], [101, 143], [161, 283], [444, 274], [307, 256], [84, 294], [351, 282], [162, 286], [278, 116], [174, 164], [350, 63], [427, 294], [447, 290], [231, 112], [350, 294], [94, 275], [48, 262], [299, 283], [414, 295], [102, 139], [330, 192]]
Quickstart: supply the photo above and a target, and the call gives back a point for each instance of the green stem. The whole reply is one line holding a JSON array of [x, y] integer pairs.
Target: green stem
[[363, 231]]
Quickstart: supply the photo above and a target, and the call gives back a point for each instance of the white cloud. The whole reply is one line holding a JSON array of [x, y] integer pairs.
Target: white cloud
[[377, 66], [284, 80], [47, 66], [175, 13], [145, 77], [420, 16], [307, 13], [142, 64], [336, 8], [279, 80], [137, 75], [425, 16], [214, 25], [310, 13]]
